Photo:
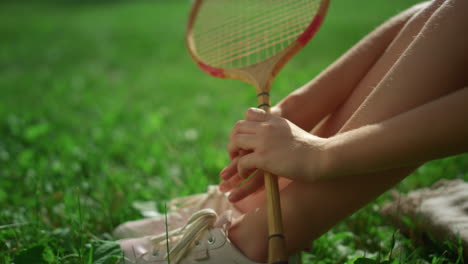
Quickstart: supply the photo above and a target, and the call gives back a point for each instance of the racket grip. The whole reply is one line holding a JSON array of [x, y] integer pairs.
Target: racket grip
[[276, 241]]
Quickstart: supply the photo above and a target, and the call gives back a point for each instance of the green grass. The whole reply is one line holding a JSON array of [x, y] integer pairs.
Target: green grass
[[101, 106]]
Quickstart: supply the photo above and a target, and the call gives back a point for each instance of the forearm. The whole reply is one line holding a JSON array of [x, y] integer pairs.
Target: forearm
[[309, 104], [434, 130]]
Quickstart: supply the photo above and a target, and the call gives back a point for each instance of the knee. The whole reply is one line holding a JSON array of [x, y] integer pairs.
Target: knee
[[455, 9], [456, 5], [460, 5], [422, 5]]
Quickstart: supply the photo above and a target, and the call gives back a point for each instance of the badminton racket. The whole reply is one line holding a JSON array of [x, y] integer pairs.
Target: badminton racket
[[251, 40]]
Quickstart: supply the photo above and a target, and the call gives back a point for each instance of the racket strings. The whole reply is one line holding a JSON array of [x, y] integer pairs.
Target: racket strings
[[257, 34], [276, 26], [238, 33], [243, 23], [257, 42], [232, 20]]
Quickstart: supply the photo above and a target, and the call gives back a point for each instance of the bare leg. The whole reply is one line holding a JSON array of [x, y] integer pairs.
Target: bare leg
[[353, 67], [396, 84]]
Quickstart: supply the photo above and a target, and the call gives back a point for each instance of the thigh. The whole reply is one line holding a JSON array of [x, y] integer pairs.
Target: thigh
[[421, 64]]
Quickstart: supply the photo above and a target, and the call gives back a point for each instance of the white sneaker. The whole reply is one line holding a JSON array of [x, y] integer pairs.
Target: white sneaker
[[179, 211], [203, 240]]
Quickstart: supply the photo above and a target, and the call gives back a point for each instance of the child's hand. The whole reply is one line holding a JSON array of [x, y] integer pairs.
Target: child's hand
[[270, 143]]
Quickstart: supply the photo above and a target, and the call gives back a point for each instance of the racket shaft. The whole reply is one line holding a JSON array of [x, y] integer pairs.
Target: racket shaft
[[276, 241]]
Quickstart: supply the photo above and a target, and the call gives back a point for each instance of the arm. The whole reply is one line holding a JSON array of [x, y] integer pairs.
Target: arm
[[434, 130], [331, 88]]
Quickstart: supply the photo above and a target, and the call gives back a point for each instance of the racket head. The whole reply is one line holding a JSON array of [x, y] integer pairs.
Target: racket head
[[251, 40]]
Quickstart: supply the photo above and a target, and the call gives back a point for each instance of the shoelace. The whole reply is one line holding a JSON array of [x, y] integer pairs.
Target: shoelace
[[199, 222]]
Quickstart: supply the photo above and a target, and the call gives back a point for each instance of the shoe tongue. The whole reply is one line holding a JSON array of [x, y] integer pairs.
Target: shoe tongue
[[224, 220]]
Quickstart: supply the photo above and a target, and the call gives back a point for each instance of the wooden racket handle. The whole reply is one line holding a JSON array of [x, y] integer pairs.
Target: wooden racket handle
[[276, 241]]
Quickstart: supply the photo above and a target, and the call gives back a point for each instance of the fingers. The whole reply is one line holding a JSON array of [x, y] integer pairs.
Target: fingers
[[232, 181], [240, 152], [243, 152], [230, 170], [255, 114], [247, 164], [251, 186], [231, 175], [233, 155], [229, 184], [244, 131], [242, 137], [244, 164], [242, 141], [245, 127]]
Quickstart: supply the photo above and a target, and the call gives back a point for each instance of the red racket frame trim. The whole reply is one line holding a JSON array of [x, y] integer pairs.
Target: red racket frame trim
[[277, 61]]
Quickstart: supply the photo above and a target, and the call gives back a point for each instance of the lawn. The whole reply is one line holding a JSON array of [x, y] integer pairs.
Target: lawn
[[101, 106]]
